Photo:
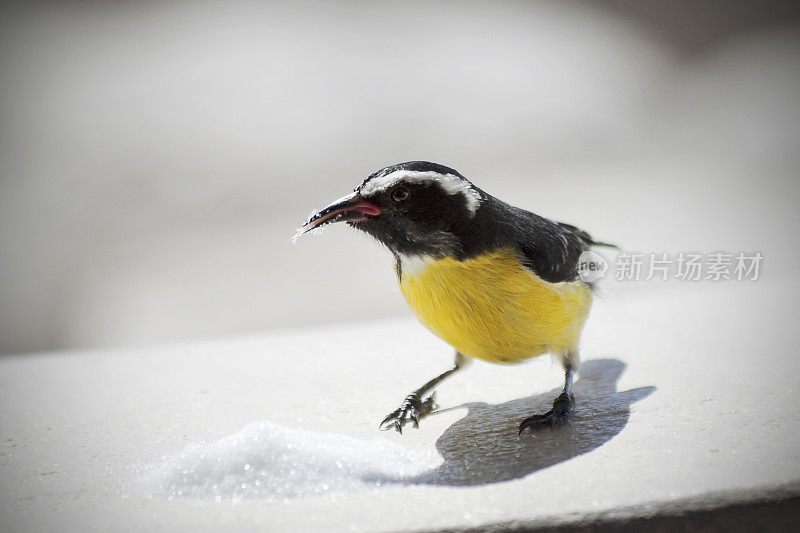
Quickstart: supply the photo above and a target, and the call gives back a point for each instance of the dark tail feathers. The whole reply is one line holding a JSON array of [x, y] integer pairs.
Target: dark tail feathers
[[585, 237]]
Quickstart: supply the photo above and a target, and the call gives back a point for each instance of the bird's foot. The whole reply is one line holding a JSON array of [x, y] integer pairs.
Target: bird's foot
[[412, 409], [555, 417]]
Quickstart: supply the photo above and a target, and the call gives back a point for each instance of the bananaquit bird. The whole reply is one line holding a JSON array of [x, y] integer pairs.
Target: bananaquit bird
[[494, 281]]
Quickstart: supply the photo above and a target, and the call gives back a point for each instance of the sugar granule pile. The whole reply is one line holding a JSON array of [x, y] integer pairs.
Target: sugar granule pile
[[268, 461]]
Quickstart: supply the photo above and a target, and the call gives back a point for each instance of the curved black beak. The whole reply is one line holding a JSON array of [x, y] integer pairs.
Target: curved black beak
[[351, 208]]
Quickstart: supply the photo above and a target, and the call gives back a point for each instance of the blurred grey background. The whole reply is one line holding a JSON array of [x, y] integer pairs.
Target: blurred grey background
[[155, 158]]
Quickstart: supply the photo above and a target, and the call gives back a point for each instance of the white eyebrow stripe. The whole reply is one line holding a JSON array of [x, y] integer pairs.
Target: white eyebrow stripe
[[450, 183]]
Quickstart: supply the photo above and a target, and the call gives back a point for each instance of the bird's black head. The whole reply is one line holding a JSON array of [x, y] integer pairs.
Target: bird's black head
[[414, 208]]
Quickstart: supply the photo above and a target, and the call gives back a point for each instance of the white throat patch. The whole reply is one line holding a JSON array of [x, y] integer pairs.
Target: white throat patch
[[450, 183], [412, 265]]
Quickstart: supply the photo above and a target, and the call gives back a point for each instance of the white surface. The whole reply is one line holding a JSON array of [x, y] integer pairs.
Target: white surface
[[707, 402]]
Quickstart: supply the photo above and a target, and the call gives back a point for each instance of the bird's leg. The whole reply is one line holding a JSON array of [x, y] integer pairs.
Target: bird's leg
[[561, 411], [413, 406]]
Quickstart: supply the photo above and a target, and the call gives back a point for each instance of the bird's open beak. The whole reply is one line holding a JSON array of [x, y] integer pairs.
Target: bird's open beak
[[351, 208]]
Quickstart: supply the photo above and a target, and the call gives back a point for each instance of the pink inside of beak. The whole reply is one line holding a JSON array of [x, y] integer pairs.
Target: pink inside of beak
[[353, 204]]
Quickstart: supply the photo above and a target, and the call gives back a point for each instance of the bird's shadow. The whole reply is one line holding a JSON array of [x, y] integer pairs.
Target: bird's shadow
[[484, 446]]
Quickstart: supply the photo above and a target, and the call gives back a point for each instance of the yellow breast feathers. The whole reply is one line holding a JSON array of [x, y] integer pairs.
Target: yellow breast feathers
[[493, 308]]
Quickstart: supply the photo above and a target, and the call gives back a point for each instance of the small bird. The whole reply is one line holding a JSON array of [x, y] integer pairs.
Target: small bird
[[494, 281]]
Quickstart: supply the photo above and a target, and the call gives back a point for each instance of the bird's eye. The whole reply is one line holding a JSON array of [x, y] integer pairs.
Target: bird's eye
[[400, 194]]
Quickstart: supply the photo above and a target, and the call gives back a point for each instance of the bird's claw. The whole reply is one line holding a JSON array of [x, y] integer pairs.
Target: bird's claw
[[411, 409], [555, 417]]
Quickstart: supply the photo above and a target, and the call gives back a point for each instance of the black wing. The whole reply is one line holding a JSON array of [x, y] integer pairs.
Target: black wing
[[549, 249]]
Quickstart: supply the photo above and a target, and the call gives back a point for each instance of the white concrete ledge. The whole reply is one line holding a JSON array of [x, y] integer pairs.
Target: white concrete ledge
[[687, 403]]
